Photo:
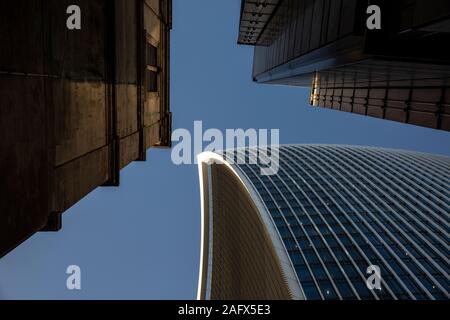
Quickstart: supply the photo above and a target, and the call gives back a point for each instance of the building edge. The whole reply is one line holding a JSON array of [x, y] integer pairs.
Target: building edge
[[284, 262]]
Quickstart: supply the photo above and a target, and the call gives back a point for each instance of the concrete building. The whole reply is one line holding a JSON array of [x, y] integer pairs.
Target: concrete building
[[312, 230], [76, 106], [400, 72]]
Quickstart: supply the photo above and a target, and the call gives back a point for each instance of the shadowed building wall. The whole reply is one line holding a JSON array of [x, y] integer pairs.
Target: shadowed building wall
[[76, 106], [399, 73]]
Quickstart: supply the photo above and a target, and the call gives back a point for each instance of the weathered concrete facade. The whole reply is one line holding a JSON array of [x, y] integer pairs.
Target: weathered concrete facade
[[76, 106]]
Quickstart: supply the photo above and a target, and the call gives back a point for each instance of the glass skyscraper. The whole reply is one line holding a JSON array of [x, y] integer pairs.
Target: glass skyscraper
[[313, 228], [398, 72]]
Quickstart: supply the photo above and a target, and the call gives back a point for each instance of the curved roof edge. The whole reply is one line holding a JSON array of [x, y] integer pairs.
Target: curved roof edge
[[285, 262]]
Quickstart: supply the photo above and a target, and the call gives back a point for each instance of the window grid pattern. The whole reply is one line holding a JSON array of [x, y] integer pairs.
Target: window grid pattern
[[340, 209]]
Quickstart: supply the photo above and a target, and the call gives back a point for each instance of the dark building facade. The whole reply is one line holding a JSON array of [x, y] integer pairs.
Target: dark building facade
[[76, 106], [400, 72], [311, 230]]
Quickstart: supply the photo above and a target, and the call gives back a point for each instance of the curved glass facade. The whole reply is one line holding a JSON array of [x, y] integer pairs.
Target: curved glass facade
[[341, 209]]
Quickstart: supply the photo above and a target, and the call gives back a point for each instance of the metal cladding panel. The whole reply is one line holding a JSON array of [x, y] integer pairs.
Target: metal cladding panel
[[420, 13], [255, 15], [410, 29], [340, 209], [244, 263], [297, 28], [363, 89], [326, 43]]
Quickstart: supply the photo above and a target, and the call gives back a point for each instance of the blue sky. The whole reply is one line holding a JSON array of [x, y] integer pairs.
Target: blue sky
[[141, 241]]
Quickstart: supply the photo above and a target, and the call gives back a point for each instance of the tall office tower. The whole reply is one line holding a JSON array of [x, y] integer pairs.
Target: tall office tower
[[400, 72], [84, 91], [330, 213]]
